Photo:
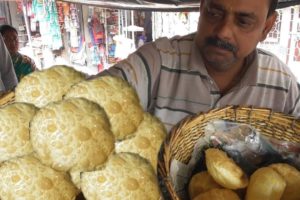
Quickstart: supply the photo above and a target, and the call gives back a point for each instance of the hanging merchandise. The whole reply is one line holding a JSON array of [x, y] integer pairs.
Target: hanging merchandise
[[46, 13], [72, 25], [97, 36], [29, 8], [93, 47], [60, 12], [78, 55], [19, 6], [66, 16], [97, 31], [297, 52], [95, 55], [112, 31], [4, 13], [34, 26]]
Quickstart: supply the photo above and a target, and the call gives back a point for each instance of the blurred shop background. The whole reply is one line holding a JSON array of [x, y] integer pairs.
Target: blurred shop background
[[91, 38]]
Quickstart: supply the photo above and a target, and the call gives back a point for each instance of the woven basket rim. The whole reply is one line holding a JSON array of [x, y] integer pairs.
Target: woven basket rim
[[250, 113], [7, 97]]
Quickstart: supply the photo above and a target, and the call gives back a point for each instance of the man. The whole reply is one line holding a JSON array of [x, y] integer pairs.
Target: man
[[8, 79], [218, 66], [23, 65]]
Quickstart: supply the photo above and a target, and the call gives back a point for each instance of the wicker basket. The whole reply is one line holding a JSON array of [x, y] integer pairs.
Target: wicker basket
[[182, 138], [7, 98]]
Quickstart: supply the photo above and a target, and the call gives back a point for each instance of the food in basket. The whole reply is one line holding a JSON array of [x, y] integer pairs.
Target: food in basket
[[43, 87], [146, 141], [118, 99], [265, 183], [27, 178], [182, 154], [200, 183], [292, 178], [224, 170], [279, 181], [125, 176], [218, 194], [14, 130], [72, 134]]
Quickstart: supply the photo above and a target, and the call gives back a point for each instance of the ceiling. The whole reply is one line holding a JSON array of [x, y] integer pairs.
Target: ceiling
[[160, 5]]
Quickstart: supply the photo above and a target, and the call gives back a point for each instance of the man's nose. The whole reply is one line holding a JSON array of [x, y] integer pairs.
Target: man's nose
[[225, 29]]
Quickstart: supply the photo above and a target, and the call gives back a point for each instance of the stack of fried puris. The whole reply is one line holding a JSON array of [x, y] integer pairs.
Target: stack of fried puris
[[72, 133]]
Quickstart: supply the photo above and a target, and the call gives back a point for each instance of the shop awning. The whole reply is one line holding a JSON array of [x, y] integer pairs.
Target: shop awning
[[160, 5]]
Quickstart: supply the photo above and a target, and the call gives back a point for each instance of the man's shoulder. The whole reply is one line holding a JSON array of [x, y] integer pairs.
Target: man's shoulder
[[267, 58], [270, 63], [172, 44], [184, 38]]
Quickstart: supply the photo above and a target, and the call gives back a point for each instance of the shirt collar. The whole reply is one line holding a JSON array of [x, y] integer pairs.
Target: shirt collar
[[251, 75]]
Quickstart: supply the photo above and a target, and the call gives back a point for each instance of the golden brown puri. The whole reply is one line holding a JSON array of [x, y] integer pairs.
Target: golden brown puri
[[224, 170], [14, 130], [125, 176], [265, 184], [292, 178], [201, 182], [72, 134], [119, 100], [27, 178], [217, 194], [43, 87], [146, 141]]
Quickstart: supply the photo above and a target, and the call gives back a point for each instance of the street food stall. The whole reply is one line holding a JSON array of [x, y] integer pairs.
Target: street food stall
[[63, 136], [155, 5]]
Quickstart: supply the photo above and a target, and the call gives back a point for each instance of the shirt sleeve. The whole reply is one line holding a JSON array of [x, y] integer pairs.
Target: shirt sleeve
[[296, 109], [8, 76]]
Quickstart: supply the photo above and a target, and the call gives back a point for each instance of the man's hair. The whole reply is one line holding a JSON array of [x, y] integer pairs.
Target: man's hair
[[272, 8], [4, 28]]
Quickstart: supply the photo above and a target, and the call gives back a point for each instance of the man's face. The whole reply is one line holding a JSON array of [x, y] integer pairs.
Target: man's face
[[229, 30], [11, 41]]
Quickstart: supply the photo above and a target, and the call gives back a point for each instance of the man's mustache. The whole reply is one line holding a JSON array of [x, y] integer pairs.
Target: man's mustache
[[221, 44]]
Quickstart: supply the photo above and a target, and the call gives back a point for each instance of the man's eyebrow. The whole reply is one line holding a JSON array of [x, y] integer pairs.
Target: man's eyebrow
[[248, 15], [216, 6]]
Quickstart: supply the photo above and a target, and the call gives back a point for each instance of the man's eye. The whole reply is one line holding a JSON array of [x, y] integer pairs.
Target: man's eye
[[214, 14], [245, 23]]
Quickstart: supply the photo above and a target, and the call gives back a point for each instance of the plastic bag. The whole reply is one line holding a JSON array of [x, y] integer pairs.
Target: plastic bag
[[250, 149]]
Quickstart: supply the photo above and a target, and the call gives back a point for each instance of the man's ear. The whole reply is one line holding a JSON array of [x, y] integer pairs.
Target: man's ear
[[268, 26]]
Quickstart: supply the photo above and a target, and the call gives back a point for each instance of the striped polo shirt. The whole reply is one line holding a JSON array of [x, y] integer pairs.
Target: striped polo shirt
[[172, 81]]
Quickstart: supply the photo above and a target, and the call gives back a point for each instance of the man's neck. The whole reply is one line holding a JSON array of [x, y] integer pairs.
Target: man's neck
[[227, 79]]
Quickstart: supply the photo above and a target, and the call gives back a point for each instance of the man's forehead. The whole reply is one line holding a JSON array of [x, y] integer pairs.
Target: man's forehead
[[237, 4], [252, 7]]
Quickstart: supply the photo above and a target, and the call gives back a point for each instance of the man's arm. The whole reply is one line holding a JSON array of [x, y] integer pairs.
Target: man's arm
[[8, 76]]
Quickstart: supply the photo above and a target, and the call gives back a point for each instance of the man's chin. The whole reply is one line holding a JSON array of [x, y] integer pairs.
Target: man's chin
[[219, 64], [215, 53], [218, 58]]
